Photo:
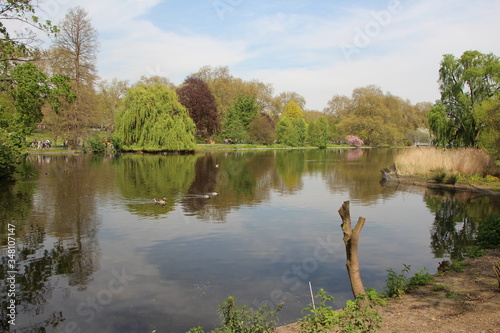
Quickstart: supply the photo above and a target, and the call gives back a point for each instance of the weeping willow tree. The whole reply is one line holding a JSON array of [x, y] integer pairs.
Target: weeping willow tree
[[151, 119], [465, 83]]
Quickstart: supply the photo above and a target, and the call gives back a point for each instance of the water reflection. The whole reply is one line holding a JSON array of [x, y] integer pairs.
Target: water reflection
[[79, 218]]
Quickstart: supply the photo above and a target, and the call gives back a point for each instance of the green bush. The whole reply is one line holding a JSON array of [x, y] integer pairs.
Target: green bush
[[451, 179], [321, 319], [244, 320], [96, 145], [421, 278], [488, 234], [357, 316], [397, 284], [117, 143], [438, 176]]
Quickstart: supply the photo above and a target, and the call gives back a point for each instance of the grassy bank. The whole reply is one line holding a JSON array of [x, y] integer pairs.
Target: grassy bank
[[449, 166], [427, 160]]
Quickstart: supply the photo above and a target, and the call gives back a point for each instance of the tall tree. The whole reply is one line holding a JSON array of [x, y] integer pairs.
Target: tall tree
[[283, 99], [239, 117], [292, 128], [261, 129], [488, 114], [464, 83], [75, 54], [24, 89], [151, 118], [375, 117], [318, 132], [195, 95], [110, 97]]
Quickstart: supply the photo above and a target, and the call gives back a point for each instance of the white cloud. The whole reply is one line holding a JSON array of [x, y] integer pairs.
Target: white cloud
[[295, 51]]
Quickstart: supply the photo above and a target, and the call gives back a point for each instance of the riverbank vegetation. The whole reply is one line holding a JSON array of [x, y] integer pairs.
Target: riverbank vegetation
[[467, 288], [466, 162], [76, 108]]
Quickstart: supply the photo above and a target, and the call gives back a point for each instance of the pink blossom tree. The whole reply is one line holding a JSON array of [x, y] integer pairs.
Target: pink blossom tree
[[354, 141]]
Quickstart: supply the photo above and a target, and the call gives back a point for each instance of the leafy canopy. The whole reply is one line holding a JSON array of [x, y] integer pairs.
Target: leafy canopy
[[151, 118], [464, 83], [200, 102]]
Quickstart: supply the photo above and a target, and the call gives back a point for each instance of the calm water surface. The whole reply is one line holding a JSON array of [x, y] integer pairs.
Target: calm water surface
[[95, 254]]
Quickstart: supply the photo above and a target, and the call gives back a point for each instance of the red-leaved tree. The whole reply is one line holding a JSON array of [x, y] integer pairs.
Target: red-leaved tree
[[195, 95]]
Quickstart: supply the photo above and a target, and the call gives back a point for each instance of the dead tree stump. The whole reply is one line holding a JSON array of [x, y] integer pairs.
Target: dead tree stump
[[351, 240]]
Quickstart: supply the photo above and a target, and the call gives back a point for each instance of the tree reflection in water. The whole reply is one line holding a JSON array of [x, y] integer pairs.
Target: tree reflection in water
[[457, 216]]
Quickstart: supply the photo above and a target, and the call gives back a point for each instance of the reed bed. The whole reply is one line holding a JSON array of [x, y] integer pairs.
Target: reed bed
[[427, 160]]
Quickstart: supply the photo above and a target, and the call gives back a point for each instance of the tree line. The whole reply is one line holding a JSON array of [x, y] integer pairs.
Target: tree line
[[58, 90]]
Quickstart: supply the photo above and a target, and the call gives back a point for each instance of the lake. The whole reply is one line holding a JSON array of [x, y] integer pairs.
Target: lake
[[95, 254]]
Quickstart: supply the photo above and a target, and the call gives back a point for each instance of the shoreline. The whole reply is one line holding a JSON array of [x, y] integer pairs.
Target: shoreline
[[390, 177], [466, 301]]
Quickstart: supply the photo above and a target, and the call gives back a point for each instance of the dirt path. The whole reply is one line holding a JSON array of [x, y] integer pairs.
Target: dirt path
[[470, 303]]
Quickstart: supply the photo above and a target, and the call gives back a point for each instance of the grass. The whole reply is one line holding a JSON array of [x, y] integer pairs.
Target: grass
[[463, 161]]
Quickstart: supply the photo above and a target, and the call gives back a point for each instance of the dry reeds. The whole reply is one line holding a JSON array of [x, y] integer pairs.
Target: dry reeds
[[426, 160]]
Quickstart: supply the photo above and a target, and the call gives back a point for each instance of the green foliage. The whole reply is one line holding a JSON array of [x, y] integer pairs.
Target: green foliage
[[21, 102], [488, 115], [465, 83], [321, 319], [117, 143], [475, 252], [438, 176], [451, 179], [151, 118], [318, 132], [240, 115], [244, 320], [96, 145], [291, 131], [397, 284], [375, 117], [292, 110], [439, 287], [10, 152], [421, 278], [358, 315], [488, 234], [451, 294]]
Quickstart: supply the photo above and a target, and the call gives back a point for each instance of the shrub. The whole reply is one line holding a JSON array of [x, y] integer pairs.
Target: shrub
[[438, 176], [96, 145], [357, 316], [397, 284], [321, 319], [244, 320], [117, 143], [421, 278], [488, 234]]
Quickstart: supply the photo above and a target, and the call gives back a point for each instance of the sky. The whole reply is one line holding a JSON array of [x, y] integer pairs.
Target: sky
[[316, 48]]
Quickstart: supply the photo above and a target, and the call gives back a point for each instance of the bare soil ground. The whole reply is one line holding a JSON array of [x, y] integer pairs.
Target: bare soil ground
[[470, 303]]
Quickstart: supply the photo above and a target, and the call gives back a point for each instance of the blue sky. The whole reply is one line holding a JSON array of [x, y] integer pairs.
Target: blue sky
[[316, 48]]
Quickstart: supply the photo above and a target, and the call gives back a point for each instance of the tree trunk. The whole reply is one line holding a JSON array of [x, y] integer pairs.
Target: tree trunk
[[351, 240]]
